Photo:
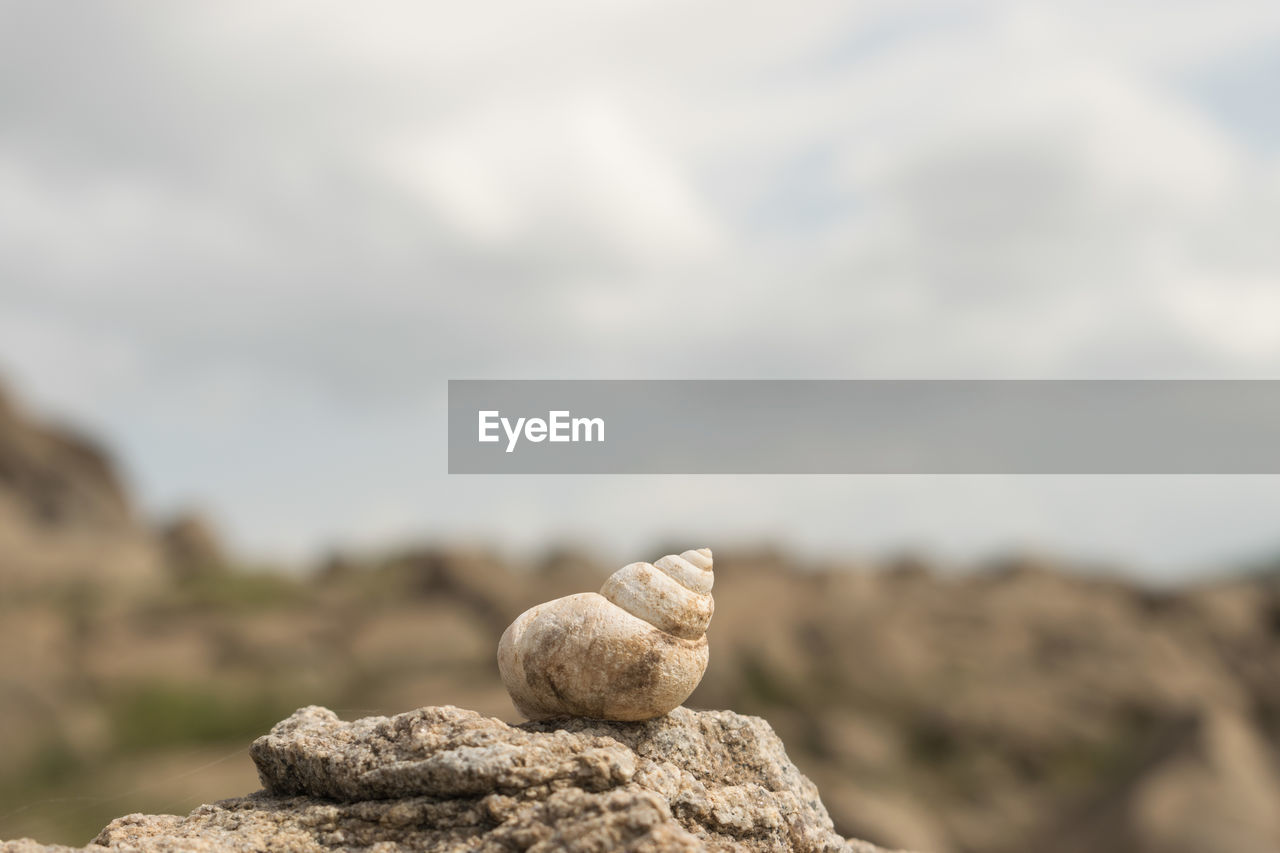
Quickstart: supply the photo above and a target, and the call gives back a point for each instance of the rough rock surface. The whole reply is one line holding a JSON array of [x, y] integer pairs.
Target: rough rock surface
[[445, 779]]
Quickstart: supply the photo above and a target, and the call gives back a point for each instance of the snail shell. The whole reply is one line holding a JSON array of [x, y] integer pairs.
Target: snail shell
[[633, 651]]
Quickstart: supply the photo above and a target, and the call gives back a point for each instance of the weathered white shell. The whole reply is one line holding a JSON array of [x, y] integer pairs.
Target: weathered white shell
[[633, 651]]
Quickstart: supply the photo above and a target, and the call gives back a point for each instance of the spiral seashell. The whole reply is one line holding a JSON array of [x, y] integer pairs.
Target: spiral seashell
[[633, 651]]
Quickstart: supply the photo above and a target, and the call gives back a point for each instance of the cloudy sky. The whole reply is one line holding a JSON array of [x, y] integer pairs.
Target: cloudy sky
[[247, 244]]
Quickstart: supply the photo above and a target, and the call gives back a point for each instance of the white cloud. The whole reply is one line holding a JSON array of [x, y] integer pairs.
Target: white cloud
[[78, 368], [1236, 316], [517, 174], [221, 231]]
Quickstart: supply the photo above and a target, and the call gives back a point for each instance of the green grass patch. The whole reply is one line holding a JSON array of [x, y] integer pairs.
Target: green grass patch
[[243, 590], [161, 715], [52, 764]]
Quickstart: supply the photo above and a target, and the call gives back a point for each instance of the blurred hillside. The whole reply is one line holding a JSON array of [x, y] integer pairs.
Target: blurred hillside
[[64, 513], [1019, 706]]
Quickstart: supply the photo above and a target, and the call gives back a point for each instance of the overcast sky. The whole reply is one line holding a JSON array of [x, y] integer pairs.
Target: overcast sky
[[247, 243]]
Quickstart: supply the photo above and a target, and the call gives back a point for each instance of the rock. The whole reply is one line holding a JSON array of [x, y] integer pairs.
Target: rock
[[447, 779], [65, 515], [191, 547], [474, 580], [58, 478], [1215, 789]]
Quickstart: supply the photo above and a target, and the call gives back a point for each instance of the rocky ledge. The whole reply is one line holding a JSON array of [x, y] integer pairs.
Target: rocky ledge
[[446, 779]]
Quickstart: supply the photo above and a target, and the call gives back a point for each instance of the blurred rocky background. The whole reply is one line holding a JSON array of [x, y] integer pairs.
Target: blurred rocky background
[[1015, 705], [248, 243]]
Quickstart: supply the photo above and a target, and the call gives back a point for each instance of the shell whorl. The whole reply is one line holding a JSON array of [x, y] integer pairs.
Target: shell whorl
[[672, 595]]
